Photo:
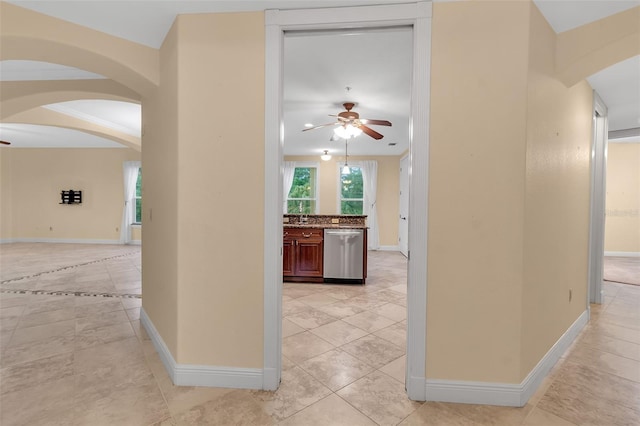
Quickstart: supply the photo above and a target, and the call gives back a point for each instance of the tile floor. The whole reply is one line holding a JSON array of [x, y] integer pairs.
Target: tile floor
[[70, 355]]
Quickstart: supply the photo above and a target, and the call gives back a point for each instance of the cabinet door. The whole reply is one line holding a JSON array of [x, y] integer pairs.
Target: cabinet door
[[309, 257], [288, 256]]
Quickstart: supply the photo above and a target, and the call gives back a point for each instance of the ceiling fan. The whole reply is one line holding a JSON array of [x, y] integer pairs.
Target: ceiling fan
[[5, 143], [350, 124]]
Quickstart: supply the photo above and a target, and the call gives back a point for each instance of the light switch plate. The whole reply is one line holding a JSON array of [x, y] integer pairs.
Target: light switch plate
[[285, 220], [335, 220]]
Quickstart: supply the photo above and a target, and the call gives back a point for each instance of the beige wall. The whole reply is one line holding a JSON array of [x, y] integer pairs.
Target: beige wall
[[508, 196], [31, 183], [388, 190], [622, 228], [160, 209], [210, 214], [476, 182], [556, 199]]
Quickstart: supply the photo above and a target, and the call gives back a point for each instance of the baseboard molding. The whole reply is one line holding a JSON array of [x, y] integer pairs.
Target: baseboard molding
[[505, 394], [61, 241], [66, 241], [415, 387], [622, 253], [201, 375], [389, 248]]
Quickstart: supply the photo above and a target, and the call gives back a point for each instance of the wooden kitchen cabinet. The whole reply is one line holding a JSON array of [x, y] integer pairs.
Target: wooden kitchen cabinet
[[302, 256]]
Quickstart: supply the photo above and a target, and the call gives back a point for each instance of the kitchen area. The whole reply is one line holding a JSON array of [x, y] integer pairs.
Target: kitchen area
[[324, 249]]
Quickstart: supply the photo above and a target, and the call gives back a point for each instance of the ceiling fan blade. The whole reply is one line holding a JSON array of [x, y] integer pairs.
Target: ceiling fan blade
[[5, 143], [377, 122], [321, 125], [370, 132]]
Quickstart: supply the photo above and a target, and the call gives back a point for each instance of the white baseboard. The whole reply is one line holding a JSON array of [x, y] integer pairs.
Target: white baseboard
[[61, 241], [201, 375], [389, 248], [415, 387], [622, 253], [506, 394], [66, 241]]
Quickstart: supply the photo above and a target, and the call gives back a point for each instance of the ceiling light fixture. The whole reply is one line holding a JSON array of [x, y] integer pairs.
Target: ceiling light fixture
[[326, 156], [347, 131]]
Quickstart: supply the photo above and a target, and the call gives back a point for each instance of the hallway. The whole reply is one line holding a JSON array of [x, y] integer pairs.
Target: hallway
[[73, 353]]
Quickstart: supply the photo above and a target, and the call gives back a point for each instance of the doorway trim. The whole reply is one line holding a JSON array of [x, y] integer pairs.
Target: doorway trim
[[417, 15], [403, 237], [598, 194]]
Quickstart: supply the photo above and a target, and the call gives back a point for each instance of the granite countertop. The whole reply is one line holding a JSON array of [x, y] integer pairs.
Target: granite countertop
[[323, 226]]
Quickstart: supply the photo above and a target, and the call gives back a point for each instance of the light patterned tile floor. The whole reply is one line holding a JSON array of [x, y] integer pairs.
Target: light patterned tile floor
[[70, 356]]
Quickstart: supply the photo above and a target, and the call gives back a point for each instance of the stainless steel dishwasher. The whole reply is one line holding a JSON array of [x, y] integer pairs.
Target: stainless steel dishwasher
[[343, 255]]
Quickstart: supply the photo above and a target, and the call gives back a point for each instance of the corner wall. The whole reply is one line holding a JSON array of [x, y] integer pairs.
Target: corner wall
[[204, 153], [160, 209], [557, 197], [508, 197]]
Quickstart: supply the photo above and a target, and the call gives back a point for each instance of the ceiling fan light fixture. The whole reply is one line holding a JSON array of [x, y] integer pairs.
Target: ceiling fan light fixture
[[347, 131], [326, 156]]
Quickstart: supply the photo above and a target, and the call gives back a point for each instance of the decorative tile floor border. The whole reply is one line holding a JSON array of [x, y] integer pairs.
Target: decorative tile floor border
[[73, 293], [69, 292], [64, 268]]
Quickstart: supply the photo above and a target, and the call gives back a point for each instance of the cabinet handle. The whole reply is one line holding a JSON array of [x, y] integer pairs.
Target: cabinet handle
[[306, 235]]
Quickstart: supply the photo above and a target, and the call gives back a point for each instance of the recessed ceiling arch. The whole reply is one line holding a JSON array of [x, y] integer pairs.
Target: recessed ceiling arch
[[45, 117], [27, 35], [593, 47], [19, 96]]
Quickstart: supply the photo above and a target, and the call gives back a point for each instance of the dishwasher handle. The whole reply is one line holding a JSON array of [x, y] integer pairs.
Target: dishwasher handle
[[342, 232]]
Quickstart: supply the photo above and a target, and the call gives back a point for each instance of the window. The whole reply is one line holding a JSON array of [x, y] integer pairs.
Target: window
[[302, 197], [138, 199], [351, 191]]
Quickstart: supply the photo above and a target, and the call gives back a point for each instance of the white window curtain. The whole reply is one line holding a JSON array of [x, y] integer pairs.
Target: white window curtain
[[370, 181], [287, 181], [130, 169]]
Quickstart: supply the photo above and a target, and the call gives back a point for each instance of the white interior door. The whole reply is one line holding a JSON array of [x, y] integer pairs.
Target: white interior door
[[403, 220]]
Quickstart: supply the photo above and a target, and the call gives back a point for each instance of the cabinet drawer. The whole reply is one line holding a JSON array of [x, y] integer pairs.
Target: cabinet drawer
[[300, 233]]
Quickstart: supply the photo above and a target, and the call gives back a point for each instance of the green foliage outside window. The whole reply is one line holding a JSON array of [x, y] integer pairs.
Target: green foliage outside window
[[139, 197], [351, 192], [303, 191]]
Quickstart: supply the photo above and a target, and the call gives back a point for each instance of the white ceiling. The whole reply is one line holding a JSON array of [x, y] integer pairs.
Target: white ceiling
[[318, 68]]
